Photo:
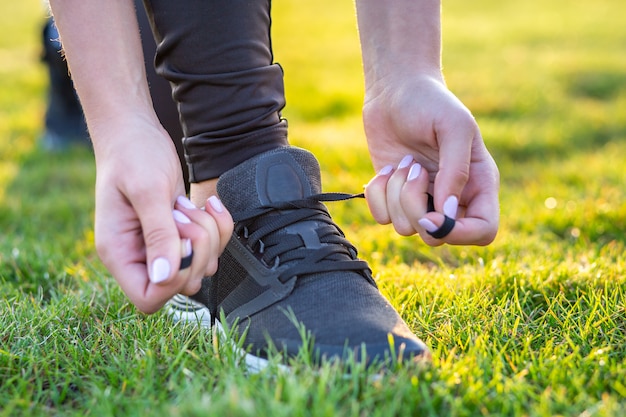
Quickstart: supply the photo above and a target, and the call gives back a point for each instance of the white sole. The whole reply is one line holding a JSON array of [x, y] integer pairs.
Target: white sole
[[185, 310]]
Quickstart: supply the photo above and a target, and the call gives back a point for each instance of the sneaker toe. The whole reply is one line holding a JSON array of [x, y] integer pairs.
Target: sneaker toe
[[341, 317]]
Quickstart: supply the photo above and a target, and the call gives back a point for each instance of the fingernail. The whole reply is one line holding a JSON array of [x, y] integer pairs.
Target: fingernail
[[180, 217], [186, 247], [405, 162], [216, 204], [386, 170], [428, 225], [185, 202], [414, 172], [450, 207], [160, 270]]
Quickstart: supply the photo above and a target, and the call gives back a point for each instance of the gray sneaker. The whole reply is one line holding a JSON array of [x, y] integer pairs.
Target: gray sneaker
[[288, 267]]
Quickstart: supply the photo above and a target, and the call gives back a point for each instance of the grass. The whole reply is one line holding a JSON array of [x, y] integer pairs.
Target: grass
[[533, 325]]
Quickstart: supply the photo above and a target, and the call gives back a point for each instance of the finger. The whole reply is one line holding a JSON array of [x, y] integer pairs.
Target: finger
[[443, 230], [466, 230], [200, 229], [223, 220], [448, 222], [217, 221], [479, 200], [478, 216], [455, 141], [483, 202], [191, 286], [186, 245], [127, 264], [146, 296], [161, 237], [414, 197], [376, 195], [186, 254], [399, 217], [120, 243]]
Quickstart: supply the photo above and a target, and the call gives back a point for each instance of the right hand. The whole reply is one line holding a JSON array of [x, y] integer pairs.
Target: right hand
[[139, 181], [417, 120]]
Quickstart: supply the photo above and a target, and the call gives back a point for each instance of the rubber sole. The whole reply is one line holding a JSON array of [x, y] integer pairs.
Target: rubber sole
[[185, 310]]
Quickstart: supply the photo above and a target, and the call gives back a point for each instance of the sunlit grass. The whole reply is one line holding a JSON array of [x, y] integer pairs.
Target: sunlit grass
[[534, 324]]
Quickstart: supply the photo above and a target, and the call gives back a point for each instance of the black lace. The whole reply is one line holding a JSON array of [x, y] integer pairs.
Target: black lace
[[257, 228]]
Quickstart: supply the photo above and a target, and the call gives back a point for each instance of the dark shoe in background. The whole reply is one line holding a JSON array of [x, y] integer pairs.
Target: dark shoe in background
[[64, 120]]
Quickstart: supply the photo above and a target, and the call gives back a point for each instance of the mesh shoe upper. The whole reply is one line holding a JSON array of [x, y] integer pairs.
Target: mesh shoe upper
[[287, 259]]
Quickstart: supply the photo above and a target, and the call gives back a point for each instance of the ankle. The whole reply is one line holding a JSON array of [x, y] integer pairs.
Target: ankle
[[200, 191]]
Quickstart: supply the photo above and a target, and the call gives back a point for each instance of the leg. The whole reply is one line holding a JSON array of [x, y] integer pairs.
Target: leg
[[218, 56], [287, 261], [64, 120], [160, 90]]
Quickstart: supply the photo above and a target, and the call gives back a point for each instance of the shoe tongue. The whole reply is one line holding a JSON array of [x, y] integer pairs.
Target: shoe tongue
[[282, 174]]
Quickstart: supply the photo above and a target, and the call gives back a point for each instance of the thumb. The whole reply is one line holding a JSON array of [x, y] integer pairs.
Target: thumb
[[454, 165], [161, 239]]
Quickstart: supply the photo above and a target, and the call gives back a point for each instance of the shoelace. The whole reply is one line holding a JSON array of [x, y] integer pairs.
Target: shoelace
[[323, 249]]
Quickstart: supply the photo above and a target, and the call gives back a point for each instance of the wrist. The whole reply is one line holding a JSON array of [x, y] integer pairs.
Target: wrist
[[399, 38], [112, 133], [399, 81]]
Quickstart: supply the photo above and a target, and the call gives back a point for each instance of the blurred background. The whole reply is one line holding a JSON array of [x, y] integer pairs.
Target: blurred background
[[546, 82], [535, 322]]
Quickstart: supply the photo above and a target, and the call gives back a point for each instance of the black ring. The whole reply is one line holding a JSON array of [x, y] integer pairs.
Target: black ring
[[448, 222], [444, 229], [186, 261]]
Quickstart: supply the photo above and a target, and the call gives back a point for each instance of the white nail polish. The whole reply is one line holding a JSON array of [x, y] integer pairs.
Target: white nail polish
[[180, 217], [216, 204], [451, 206], [428, 225], [385, 170], [185, 202], [405, 162], [414, 172], [160, 270]]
